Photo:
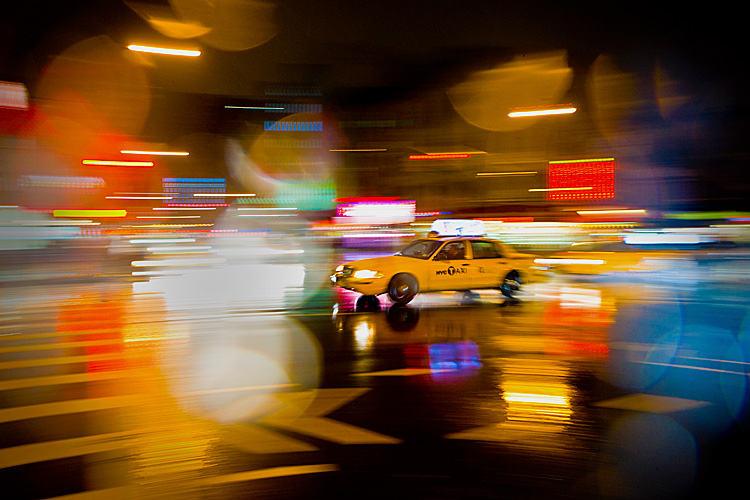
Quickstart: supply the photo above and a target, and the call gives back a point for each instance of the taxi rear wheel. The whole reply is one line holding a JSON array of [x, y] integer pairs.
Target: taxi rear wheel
[[402, 288], [511, 284]]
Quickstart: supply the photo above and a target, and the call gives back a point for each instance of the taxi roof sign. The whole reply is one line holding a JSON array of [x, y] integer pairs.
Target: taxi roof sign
[[458, 227]]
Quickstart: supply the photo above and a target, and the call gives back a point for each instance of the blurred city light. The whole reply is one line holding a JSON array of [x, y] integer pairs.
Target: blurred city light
[[89, 213], [542, 112], [156, 153], [163, 50], [118, 163]]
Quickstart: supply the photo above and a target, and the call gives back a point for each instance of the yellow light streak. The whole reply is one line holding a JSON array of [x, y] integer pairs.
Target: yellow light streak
[[611, 212], [542, 112], [562, 189], [582, 161], [494, 174], [164, 51], [158, 153], [113, 163], [89, 213]]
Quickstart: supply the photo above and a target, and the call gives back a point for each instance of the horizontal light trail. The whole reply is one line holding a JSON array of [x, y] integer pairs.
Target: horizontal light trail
[[569, 261], [58, 360], [164, 51], [67, 407], [268, 209], [137, 241], [61, 345], [163, 217], [363, 150], [497, 174], [256, 107], [220, 195], [155, 153], [73, 378], [592, 160], [561, 189], [611, 212], [65, 448], [267, 215], [444, 156], [292, 470], [89, 213], [177, 262], [690, 367], [139, 197], [542, 112], [116, 163], [29, 336], [183, 208]]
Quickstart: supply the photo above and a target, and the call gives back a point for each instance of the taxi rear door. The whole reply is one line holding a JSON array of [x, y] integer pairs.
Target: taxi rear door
[[490, 264]]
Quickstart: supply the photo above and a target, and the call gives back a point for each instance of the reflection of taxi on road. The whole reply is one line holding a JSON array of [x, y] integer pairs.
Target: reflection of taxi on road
[[464, 260]]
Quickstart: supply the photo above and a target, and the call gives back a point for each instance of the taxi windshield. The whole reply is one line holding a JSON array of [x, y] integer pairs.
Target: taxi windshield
[[420, 249]]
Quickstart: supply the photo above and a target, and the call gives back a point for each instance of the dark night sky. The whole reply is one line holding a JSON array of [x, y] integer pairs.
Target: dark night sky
[[369, 52]]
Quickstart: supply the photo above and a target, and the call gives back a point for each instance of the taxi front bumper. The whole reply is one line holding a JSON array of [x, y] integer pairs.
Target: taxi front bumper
[[365, 286]]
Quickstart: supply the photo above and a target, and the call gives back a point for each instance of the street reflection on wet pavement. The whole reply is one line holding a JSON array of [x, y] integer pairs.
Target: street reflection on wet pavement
[[581, 388]]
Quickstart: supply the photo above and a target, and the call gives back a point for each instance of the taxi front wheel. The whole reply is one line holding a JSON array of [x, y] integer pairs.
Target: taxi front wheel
[[511, 284], [402, 288]]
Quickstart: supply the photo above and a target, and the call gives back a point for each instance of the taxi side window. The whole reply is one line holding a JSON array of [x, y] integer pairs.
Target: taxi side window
[[484, 250], [452, 251]]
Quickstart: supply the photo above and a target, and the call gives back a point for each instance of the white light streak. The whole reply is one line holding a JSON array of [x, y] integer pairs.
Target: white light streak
[[216, 195], [165, 51], [542, 112], [157, 153], [562, 189]]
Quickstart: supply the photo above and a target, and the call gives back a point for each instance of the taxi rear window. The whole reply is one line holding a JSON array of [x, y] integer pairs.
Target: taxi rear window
[[420, 249]]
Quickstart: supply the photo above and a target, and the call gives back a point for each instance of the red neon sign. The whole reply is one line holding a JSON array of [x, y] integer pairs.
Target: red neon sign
[[598, 174]]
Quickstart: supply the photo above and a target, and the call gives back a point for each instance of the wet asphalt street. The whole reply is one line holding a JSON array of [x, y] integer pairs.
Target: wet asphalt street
[[625, 387]]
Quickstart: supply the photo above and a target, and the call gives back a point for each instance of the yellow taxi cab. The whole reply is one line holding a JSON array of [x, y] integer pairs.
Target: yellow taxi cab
[[456, 256], [633, 254]]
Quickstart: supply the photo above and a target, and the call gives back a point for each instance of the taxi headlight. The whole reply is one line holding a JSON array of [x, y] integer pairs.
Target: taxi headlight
[[367, 274], [340, 268]]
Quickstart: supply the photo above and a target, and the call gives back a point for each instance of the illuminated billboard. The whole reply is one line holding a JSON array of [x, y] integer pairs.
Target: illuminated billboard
[[581, 179]]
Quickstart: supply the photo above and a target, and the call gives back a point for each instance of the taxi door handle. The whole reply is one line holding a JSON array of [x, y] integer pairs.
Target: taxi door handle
[[465, 264]]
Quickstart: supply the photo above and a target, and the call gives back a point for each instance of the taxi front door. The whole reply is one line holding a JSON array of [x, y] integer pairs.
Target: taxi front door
[[450, 269]]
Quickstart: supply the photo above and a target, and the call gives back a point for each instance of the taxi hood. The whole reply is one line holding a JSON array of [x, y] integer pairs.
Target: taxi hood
[[376, 263]]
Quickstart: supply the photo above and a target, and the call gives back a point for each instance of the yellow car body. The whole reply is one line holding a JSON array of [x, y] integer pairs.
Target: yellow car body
[[599, 258], [437, 264]]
